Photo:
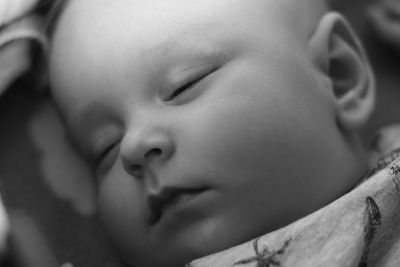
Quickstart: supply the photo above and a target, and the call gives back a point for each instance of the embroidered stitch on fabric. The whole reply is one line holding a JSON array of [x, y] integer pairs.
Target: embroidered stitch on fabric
[[372, 221], [264, 258]]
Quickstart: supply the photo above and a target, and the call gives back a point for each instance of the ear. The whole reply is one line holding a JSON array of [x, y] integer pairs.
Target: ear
[[338, 54]]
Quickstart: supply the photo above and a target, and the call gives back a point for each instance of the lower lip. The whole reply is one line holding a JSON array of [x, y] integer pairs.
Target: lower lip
[[182, 204]]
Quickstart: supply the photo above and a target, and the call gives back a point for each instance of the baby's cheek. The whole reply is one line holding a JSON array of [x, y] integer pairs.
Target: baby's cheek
[[236, 132]]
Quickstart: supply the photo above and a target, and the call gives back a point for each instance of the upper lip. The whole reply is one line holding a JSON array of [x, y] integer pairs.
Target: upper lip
[[167, 195]]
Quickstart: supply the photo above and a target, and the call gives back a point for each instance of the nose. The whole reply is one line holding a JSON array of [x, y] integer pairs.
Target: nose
[[141, 149]]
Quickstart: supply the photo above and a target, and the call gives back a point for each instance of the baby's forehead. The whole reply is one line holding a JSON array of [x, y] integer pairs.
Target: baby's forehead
[[160, 17], [156, 9], [153, 22], [104, 30]]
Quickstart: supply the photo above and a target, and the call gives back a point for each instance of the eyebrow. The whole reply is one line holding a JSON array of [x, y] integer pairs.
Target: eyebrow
[[184, 43]]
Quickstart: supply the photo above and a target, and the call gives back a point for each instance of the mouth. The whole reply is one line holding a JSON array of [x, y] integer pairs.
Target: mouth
[[169, 198]]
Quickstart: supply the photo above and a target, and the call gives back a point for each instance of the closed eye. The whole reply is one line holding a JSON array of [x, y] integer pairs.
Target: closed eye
[[105, 158], [186, 87], [103, 154]]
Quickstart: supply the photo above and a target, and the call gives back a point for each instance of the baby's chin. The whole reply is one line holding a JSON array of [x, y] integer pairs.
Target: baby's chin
[[206, 237]]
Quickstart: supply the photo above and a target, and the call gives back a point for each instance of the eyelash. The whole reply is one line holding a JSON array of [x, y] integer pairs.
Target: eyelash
[[186, 87], [102, 155]]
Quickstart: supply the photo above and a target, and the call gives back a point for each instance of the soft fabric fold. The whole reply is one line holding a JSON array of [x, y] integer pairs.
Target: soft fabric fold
[[20, 30]]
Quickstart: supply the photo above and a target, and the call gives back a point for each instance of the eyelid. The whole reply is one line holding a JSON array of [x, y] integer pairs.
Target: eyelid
[[190, 81], [103, 142], [102, 151], [187, 85], [106, 159]]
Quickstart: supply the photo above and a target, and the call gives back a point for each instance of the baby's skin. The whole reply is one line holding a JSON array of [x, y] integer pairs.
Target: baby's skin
[[208, 123]]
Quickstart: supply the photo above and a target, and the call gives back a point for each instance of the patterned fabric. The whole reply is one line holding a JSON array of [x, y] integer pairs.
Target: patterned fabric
[[362, 228]]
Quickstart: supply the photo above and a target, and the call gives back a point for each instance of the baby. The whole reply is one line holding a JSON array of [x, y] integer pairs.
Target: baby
[[208, 123]]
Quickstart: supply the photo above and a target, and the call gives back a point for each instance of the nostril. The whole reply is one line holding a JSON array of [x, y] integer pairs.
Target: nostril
[[153, 152], [136, 170], [136, 167]]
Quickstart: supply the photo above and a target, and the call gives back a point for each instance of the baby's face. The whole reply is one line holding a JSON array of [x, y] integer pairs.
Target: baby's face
[[204, 120]]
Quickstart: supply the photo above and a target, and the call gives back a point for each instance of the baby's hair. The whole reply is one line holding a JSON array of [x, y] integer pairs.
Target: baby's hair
[[55, 11]]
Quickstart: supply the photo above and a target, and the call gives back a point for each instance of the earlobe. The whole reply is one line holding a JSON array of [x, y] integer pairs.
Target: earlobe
[[338, 54]]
